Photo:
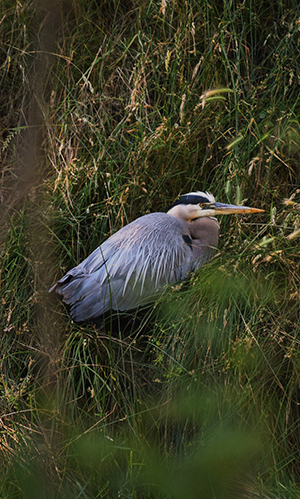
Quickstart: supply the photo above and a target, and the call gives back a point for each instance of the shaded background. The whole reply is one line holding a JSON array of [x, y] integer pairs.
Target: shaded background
[[110, 110]]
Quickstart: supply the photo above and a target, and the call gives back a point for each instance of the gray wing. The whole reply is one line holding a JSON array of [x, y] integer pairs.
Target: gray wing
[[130, 268]]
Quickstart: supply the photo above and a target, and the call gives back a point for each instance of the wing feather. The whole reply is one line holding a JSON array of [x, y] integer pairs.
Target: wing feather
[[129, 268]]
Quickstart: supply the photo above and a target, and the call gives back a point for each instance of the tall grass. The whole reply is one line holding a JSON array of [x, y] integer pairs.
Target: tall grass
[[108, 112]]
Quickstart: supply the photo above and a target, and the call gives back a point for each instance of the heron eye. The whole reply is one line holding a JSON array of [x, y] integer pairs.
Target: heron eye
[[202, 205]]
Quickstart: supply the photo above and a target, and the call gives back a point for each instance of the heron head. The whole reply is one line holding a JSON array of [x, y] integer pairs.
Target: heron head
[[203, 204]]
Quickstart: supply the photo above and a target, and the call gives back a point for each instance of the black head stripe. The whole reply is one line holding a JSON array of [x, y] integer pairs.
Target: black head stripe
[[190, 199]]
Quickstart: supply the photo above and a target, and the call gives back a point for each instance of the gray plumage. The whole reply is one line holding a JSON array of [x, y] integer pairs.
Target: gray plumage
[[132, 267]]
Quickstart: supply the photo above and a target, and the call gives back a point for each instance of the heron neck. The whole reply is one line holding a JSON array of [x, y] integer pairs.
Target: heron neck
[[205, 230], [181, 212]]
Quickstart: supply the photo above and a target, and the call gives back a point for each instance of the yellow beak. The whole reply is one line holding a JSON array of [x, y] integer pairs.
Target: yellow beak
[[226, 209]]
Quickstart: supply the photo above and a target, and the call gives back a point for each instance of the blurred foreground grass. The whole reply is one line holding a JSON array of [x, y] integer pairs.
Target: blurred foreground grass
[[110, 111]]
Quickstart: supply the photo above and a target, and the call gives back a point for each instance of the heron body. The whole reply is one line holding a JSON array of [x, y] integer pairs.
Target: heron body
[[133, 265]]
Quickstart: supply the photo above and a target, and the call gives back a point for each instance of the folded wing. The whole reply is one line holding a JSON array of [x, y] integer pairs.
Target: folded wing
[[131, 267]]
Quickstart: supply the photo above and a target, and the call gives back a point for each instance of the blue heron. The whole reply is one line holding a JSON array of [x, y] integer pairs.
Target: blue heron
[[131, 267]]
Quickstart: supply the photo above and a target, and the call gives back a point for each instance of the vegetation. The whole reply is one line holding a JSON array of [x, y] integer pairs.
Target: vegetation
[[110, 110]]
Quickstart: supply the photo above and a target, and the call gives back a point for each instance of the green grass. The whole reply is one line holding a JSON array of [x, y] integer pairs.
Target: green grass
[[113, 114]]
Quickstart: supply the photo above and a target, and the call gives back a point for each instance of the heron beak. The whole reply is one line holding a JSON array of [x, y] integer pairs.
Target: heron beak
[[226, 209]]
